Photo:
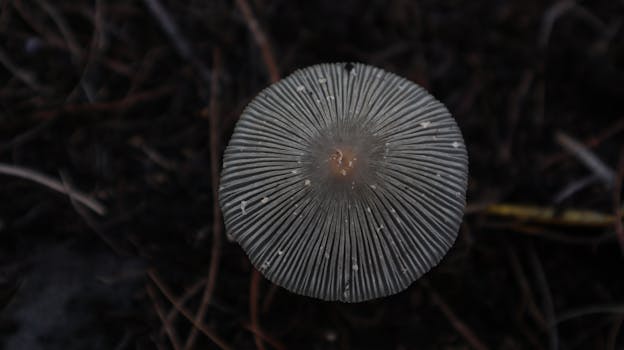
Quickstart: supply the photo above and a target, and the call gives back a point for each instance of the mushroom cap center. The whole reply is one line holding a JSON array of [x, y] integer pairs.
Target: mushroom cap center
[[342, 162]]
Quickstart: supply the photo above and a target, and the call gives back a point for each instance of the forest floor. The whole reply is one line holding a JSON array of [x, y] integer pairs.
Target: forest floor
[[114, 115]]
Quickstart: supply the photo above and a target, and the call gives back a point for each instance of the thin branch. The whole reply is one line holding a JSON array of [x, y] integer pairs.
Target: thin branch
[[559, 9], [183, 47], [215, 142], [37, 25], [515, 106], [26, 135], [459, 325], [182, 300], [587, 157], [171, 332], [91, 53], [575, 187], [153, 154], [617, 200], [89, 220], [273, 342], [274, 75], [68, 35], [549, 307], [525, 287], [613, 335], [209, 332], [261, 39], [550, 215], [254, 293], [556, 236], [549, 19], [590, 142], [269, 297], [25, 173], [123, 343], [589, 310], [107, 106], [25, 76]]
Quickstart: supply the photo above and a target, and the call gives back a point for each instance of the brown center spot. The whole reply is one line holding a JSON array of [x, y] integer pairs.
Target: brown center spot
[[342, 162]]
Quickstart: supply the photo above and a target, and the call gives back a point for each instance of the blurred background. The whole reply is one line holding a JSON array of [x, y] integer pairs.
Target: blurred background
[[114, 115]]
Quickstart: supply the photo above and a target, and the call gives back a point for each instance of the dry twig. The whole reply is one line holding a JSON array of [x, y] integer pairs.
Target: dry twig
[[525, 287], [121, 104], [589, 310], [26, 77], [183, 47], [261, 39], [590, 142], [575, 187], [25, 173], [613, 335], [90, 221], [215, 142], [617, 201], [259, 333], [254, 293], [561, 8], [68, 35], [549, 19], [92, 53], [269, 60], [515, 106], [171, 332], [182, 300], [549, 307], [459, 325], [587, 157], [550, 215], [209, 332]]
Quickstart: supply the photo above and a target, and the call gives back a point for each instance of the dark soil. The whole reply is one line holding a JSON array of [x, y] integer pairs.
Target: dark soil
[[97, 95]]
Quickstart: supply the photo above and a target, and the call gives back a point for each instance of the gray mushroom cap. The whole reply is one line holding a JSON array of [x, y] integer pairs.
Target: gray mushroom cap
[[344, 182]]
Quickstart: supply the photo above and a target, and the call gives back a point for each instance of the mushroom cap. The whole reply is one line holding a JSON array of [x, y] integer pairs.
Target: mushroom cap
[[344, 182]]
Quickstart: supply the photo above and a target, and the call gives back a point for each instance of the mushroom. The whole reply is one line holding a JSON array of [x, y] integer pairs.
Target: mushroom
[[344, 182]]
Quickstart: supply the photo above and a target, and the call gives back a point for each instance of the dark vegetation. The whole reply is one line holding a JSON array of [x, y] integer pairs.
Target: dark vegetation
[[105, 98]]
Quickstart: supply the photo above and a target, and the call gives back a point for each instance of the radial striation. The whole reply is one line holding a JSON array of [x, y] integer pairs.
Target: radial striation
[[344, 182]]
